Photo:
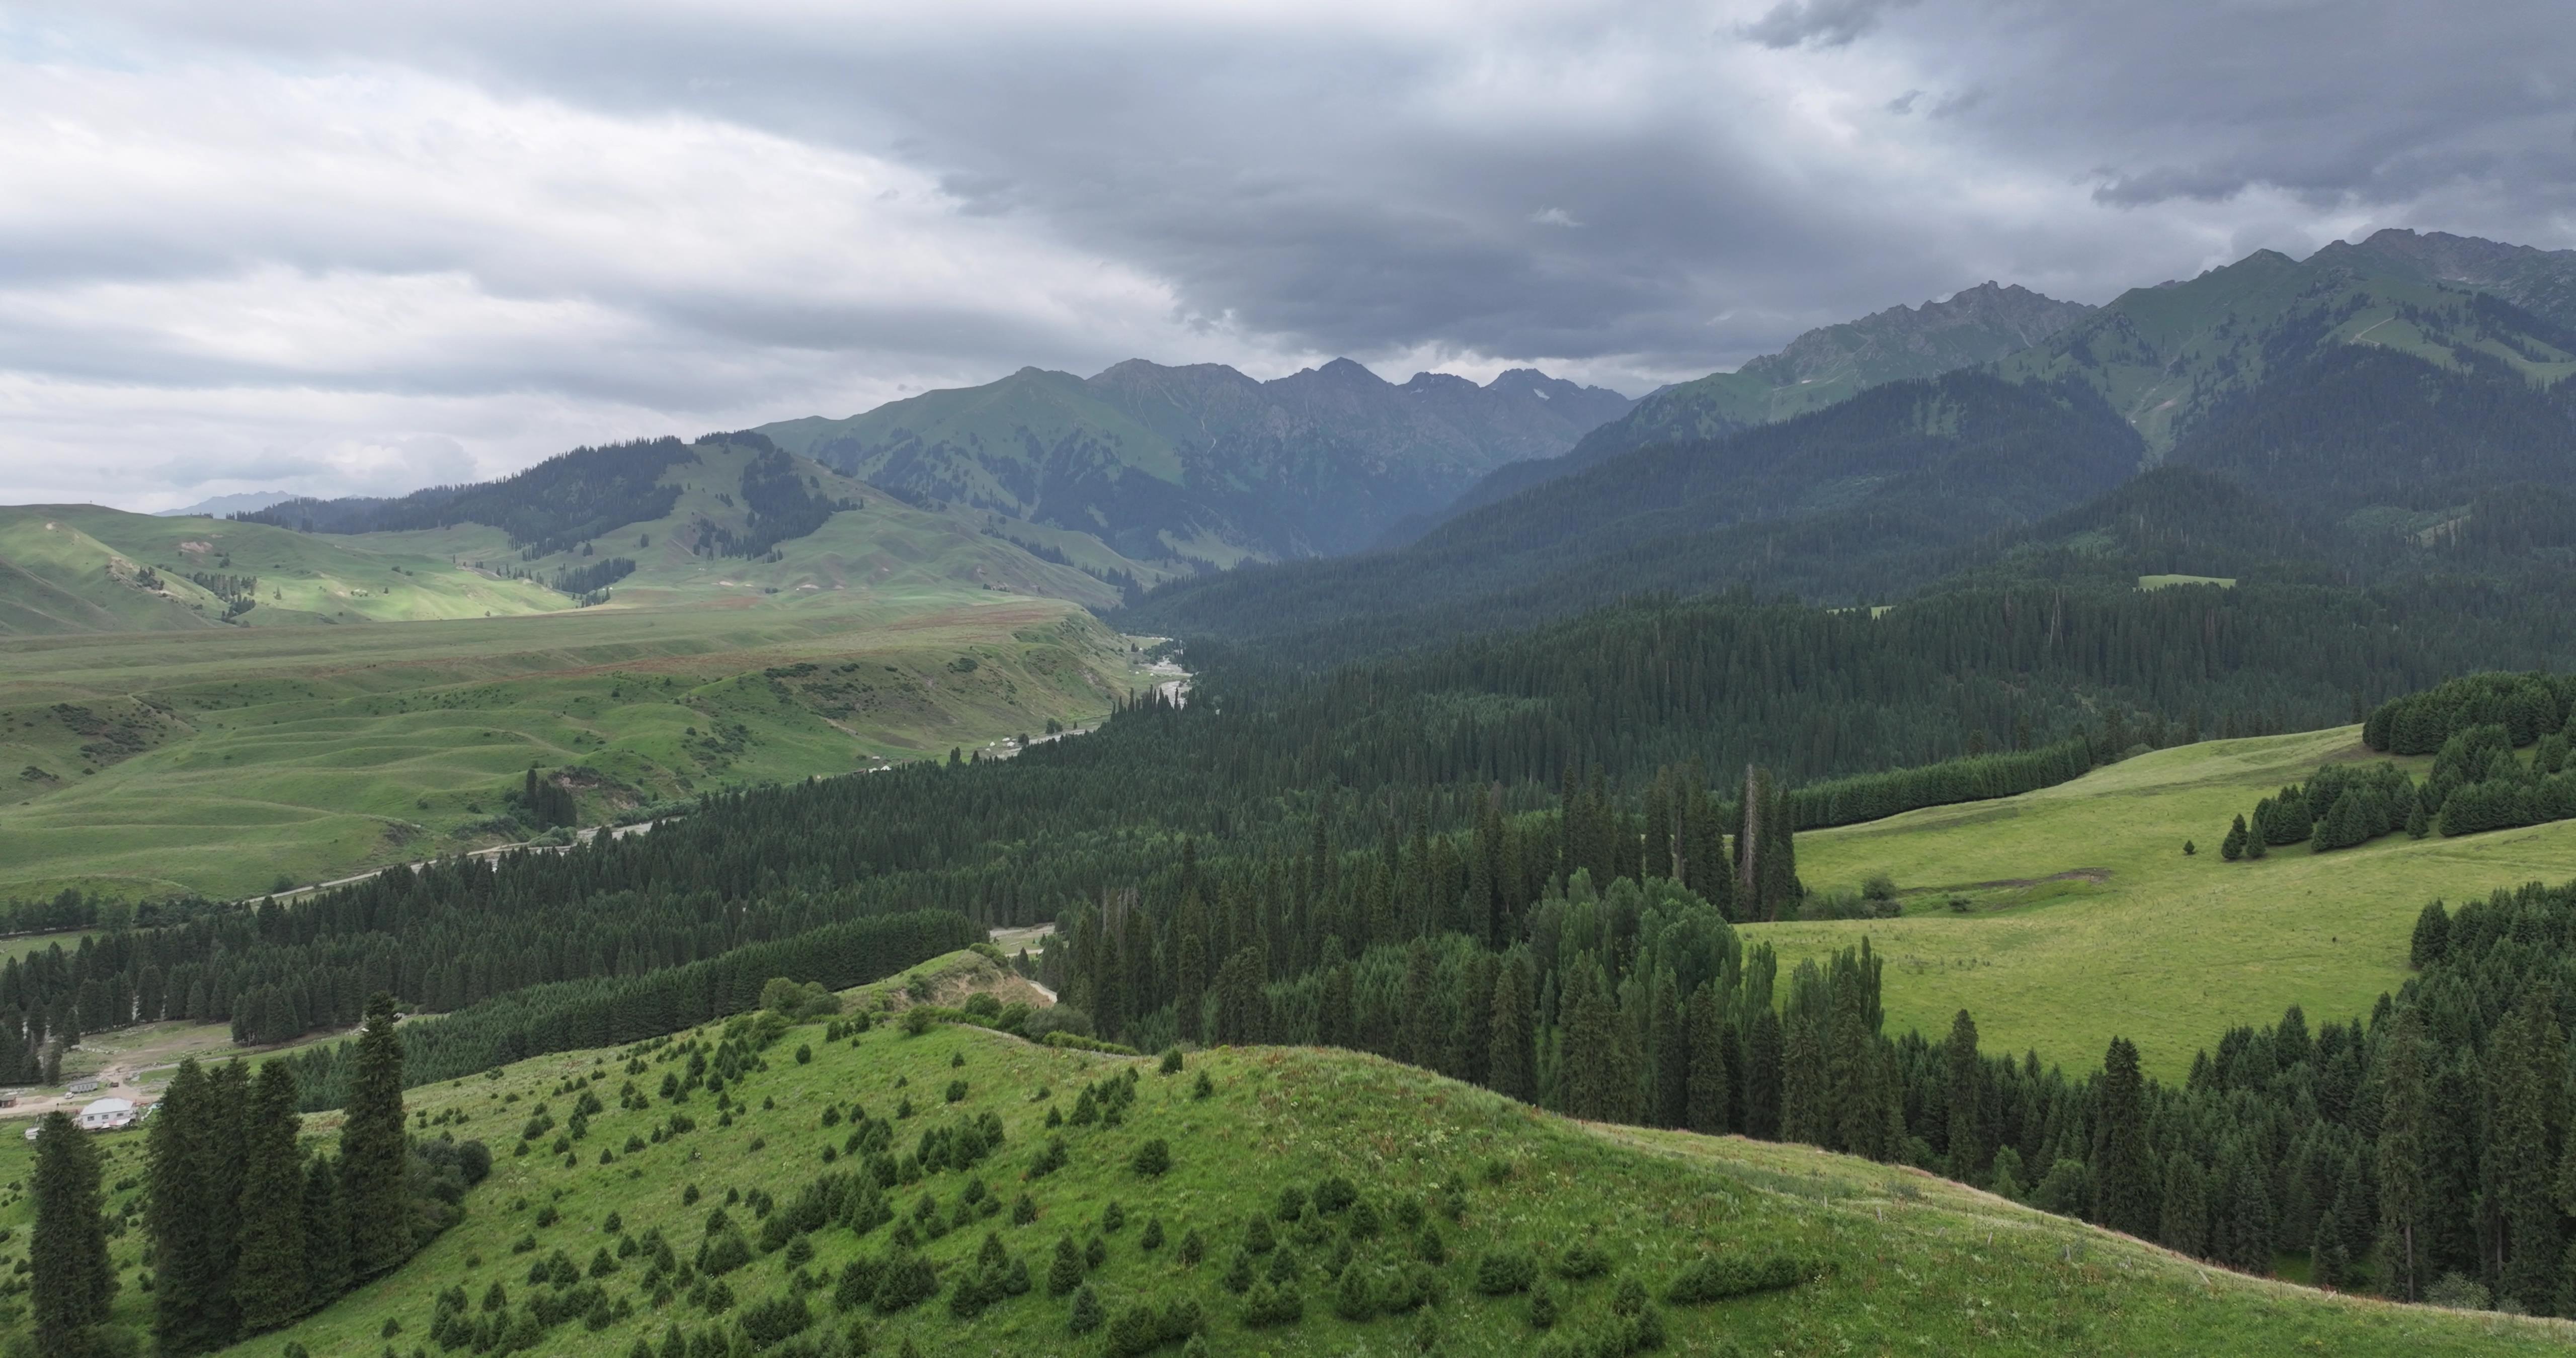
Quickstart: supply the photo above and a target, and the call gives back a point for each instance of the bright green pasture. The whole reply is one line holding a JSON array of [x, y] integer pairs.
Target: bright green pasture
[[1912, 1264], [2088, 921], [307, 754]]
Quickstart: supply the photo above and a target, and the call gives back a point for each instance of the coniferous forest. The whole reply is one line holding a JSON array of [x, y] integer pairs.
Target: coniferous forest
[[1520, 861]]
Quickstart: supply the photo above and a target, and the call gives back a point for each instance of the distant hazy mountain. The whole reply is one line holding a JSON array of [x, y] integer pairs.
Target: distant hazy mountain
[[1828, 504], [1203, 462], [221, 505], [1817, 369], [2378, 407]]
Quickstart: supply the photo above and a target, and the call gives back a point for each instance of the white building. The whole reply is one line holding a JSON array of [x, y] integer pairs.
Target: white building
[[106, 1115]]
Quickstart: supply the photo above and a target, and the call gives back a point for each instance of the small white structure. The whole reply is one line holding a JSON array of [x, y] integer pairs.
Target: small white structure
[[108, 1113], [105, 1115]]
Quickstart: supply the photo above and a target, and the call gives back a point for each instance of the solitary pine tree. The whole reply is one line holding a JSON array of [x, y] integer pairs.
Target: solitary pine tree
[[372, 1151], [269, 1281], [70, 1279]]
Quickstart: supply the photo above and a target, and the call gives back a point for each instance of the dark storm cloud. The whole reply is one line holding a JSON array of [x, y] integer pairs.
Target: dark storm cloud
[[1825, 23], [1642, 191]]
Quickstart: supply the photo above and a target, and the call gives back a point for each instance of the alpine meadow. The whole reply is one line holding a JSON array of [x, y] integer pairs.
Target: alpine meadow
[[633, 728]]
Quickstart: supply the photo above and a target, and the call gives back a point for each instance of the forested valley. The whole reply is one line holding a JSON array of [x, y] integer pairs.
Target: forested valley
[[1520, 860]]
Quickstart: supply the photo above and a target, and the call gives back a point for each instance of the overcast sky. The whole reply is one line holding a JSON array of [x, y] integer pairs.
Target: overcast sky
[[337, 248]]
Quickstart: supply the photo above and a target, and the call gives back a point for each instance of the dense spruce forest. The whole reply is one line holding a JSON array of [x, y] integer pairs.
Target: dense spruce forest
[[1423, 751]]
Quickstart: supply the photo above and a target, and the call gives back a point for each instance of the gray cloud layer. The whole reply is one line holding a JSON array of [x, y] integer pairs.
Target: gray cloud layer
[[342, 246]]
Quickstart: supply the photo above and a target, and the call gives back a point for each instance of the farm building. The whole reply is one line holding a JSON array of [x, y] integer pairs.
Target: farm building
[[106, 1115]]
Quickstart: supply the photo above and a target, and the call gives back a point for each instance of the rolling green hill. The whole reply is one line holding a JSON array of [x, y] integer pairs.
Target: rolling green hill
[[81, 568], [383, 688], [221, 762], [1836, 1254], [2084, 918]]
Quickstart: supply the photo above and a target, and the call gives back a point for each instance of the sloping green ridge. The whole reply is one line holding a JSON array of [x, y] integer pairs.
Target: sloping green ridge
[[1903, 1262]]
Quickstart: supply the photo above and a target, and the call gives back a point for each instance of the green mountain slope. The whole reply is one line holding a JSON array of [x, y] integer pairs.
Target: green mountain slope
[[83, 568], [1849, 1253], [2542, 282], [1820, 504], [1202, 462], [1817, 369], [2171, 356], [385, 688]]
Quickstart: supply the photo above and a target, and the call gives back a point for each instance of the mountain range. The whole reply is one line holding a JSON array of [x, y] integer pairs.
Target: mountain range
[[1816, 370], [2373, 390], [1202, 462], [2365, 409]]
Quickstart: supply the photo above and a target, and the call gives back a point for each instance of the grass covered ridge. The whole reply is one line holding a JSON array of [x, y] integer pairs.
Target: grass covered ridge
[[2085, 919], [1898, 1260]]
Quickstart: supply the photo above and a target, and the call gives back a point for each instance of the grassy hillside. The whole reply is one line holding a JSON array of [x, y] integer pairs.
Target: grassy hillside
[[223, 760], [2086, 920], [1899, 1261], [154, 738], [2165, 356], [82, 568]]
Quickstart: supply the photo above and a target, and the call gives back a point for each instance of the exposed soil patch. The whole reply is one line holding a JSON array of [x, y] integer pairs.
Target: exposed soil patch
[[2097, 876]]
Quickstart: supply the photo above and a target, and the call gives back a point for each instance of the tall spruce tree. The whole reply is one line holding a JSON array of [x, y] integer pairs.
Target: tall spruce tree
[[2125, 1192], [1712, 1091], [326, 1234], [2525, 1061], [1966, 1096], [1189, 966], [1513, 1067], [2182, 1221], [2404, 1177], [372, 1150], [1853, 1093], [1765, 1048], [191, 1232], [1669, 1049], [269, 1280], [70, 1278]]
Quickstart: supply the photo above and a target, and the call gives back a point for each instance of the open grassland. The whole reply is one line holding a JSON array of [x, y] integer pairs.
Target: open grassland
[[2086, 920], [1901, 1262], [227, 759], [72, 568]]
